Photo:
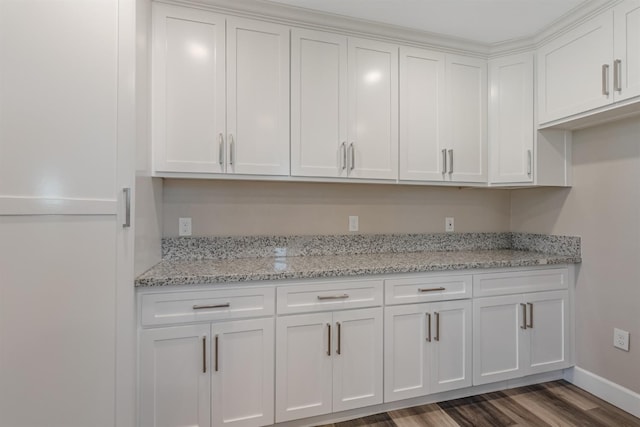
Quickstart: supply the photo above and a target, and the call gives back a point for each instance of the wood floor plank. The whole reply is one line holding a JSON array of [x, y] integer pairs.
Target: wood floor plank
[[553, 404], [422, 416], [518, 413], [475, 411]]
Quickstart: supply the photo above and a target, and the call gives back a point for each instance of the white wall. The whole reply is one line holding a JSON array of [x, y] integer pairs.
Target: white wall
[[277, 208], [603, 207]]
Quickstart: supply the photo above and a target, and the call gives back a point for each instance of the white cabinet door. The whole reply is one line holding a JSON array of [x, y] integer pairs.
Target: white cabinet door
[[188, 109], [497, 338], [466, 137], [451, 345], [407, 352], [258, 97], [318, 104], [175, 382], [373, 109], [422, 111], [626, 18], [574, 70], [548, 329], [303, 366], [243, 373], [511, 133], [357, 360]]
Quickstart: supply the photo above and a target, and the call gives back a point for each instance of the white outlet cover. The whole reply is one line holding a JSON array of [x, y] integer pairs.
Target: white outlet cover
[[448, 224], [184, 226], [353, 223], [621, 339]]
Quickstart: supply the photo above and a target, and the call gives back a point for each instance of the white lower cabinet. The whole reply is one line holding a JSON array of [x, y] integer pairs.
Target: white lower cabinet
[[427, 349], [208, 374], [519, 335], [328, 362]]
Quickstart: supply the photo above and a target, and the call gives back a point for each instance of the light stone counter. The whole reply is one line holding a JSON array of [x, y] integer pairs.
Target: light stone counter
[[199, 260]]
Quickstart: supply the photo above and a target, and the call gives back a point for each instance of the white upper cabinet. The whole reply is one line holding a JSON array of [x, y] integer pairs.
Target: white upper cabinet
[[422, 111], [344, 107], [511, 135], [573, 70], [591, 66], [318, 104], [212, 111], [373, 110], [466, 138], [626, 20], [443, 117], [258, 98]]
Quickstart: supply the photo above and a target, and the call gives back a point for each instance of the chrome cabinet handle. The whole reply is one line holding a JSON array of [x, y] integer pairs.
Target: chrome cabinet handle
[[353, 156], [339, 349], [431, 289], [343, 149], [530, 324], [216, 359], [232, 146], [605, 79], [524, 316], [127, 207], [326, 297], [202, 307], [428, 327], [437, 337], [220, 149], [529, 162], [204, 354], [617, 75], [444, 161], [450, 162], [329, 339]]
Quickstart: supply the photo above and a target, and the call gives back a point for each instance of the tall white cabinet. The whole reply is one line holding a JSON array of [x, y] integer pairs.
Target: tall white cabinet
[[66, 141], [344, 106], [212, 112]]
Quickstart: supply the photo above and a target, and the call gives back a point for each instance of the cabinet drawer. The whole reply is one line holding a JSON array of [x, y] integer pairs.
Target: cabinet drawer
[[196, 306], [329, 296], [424, 289], [518, 282]]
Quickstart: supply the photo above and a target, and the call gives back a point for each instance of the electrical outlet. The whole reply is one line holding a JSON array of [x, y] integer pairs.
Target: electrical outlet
[[448, 224], [621, 339], [353, 223], [184, 226]]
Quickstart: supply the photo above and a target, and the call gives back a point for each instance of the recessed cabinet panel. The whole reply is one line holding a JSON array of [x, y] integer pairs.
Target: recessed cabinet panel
[[422, 111], [258, 98], [303, 366], [318, 104], [357, 366], [451, 361], [574, 71], [626, 18], [496, 339], [242, 373], [548, 315], [175, 382], [511, 133], [189, 90], [373, 99], [467, 116]]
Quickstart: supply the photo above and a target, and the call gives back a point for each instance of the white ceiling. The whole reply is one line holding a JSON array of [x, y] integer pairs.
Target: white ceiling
[[484, 21]]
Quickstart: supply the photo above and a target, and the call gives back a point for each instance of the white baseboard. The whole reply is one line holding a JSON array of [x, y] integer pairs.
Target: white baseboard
[[609, 391]]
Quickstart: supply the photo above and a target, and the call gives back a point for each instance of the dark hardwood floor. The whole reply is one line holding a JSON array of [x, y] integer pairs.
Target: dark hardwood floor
[[556, 403]]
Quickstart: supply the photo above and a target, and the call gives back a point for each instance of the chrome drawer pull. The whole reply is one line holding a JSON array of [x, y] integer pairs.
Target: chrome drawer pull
[[431, 289], [343, 296], [201, 307], [524, 316], [428, 326]]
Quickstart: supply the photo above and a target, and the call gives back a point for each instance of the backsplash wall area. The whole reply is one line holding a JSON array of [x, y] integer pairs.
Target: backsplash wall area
[[224, 208]]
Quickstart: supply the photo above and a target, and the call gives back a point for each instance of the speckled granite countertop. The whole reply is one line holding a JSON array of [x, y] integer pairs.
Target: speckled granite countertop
[[191, 269]]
